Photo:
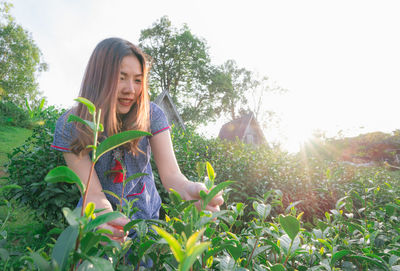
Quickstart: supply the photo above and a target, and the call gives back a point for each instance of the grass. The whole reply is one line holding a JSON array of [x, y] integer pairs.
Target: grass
[[10, 137]]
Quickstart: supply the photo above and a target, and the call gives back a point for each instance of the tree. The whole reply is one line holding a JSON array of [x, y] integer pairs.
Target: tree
[[237, 82], [180, 64], [261, 88], [20, 60]]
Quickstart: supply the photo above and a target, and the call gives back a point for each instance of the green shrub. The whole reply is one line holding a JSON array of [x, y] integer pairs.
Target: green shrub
[[30, 163], [11, 114]]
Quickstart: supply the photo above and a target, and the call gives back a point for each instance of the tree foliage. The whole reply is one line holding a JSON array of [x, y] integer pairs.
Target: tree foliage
[[202, 91], [180, 64], [20, 60]]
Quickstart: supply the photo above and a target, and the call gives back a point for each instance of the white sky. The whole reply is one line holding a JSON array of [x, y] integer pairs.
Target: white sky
[[340, 60]]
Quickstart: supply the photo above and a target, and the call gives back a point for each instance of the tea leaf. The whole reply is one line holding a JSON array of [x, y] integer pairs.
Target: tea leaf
[[75, 118], [193, 253], [227, 264], [134, 176], [290, 225], [112, 194], [200, 168], [89, 241], [338, 255], [278, 267], [172, 242], [10, 186], [262, 209], [72, 216], [41, 262], [215, 191], [64, 174], [193, 239], [370, 260], [117, 140], [64, 245], [104, 218], [95, 263], [210, 172], [89, 210], [235, 251], [145, 246], [90, 106], [208, 183]]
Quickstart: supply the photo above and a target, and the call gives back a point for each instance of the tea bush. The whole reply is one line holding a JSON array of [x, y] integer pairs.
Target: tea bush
[[30, 163], [284, 212], [11, 114]]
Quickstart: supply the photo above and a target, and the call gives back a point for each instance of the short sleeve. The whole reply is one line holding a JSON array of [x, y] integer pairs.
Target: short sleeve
[[64, 134], [158, 120]]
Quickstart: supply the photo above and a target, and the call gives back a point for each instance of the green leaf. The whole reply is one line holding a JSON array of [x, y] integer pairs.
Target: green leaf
[[172, 242], [96, 264], [134, 176], [72, 216], [215, 191], [144, 247], [41, 262], [112, 194], [89, 210], [104, 218], [326, 243], [192, 255], [210, 172], [226, 264], [28, 106], [200, 167], [64, 174], [89, 241], [90, 106], [290, 225], [338, 255], [175, 197], [208, 183], [235, 251], [370, 260], [203, 194], [262, 210], [10, 186], [64, 245], [278, 267], [75, 118], [40, 107], [194, 238], [117, 140]]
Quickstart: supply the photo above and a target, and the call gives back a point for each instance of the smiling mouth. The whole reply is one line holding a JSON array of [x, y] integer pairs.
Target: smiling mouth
[[125, 102]]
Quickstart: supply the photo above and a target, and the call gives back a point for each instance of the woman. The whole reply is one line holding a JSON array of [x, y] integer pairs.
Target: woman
[[116, 81]]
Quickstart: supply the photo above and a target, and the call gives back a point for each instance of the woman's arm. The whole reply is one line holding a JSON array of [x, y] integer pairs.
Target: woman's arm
[[81, 166], [170, 174]]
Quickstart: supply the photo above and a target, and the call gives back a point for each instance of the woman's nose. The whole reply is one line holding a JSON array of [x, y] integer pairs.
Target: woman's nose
[[129, 87]]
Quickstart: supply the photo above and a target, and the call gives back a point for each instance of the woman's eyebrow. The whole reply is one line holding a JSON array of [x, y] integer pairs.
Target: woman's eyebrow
[[136, 75]]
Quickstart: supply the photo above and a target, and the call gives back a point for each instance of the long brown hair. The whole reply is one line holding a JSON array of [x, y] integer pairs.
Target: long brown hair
[[99, 85]]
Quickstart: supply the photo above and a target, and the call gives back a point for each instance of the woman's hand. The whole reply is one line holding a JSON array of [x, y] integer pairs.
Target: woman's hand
[[116, 226], [192, 192]]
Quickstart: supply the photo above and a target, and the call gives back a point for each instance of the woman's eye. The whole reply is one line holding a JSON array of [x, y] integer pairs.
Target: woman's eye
[[121, 78], [138, 81]]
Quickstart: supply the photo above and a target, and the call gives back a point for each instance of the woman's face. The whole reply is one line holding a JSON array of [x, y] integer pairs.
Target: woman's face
[[129, 84]]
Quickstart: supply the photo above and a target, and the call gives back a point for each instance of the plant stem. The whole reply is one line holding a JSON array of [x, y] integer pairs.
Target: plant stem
[[203, 264], [87, 188], [287, 257], [252, 252]]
